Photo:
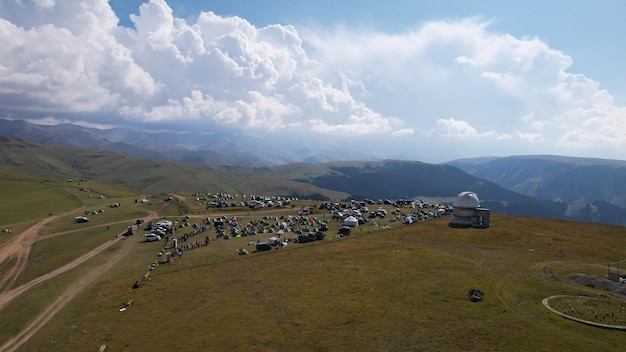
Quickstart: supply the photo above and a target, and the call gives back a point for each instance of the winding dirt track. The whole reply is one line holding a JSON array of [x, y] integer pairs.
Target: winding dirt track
[[20, 248]]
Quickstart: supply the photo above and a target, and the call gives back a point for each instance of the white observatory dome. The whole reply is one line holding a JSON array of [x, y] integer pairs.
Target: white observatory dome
[[467, 200]]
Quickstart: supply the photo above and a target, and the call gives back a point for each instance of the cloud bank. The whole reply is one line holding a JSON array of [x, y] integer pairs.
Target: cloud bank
[[455, 85]]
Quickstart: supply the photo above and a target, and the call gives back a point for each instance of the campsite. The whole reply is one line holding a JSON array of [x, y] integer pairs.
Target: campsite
[[388, 285], [181, 175]]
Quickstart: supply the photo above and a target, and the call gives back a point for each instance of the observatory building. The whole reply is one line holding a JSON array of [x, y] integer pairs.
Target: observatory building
[[468, 213]]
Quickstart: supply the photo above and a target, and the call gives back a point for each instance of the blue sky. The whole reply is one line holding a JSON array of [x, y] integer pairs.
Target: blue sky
[[589, 31], [473, 78]]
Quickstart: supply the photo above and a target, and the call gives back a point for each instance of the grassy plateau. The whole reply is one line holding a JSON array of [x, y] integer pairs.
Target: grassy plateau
[[390, 287]]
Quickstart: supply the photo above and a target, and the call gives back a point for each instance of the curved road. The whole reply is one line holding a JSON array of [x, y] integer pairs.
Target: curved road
[[20, 248]]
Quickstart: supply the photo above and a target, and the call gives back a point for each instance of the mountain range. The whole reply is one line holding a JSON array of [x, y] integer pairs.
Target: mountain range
[[193, 147], [592, 188], [584, 189]]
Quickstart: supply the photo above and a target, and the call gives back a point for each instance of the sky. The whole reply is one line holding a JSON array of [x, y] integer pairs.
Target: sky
[[431, 81]]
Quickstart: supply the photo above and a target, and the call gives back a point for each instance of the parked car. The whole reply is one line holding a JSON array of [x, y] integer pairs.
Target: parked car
[[263, 246], [151, 237], [80, 219], [311, 236]]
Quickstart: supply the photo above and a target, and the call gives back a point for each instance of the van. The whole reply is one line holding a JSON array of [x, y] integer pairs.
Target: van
[[150, 237]]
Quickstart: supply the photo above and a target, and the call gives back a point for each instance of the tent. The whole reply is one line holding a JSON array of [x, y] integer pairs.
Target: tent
[[351, 221], [274, 240]]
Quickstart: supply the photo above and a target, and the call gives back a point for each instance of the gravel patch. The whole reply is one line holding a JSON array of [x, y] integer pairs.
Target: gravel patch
[[601, 283]]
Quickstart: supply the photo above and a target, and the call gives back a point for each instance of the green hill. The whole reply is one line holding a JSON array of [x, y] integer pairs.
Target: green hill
[[591, 189], [20, 157], [377, 289], [385, 287], [389, 179]]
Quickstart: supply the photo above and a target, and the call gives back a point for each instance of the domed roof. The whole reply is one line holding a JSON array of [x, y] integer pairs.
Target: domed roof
[[467, 200]]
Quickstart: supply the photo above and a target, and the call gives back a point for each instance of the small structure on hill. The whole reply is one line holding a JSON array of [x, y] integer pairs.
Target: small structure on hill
[[351, 221], [617, 271], [468, 213]]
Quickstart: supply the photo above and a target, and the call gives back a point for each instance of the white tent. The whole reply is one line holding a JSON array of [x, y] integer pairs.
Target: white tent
[[274, 240], [351, 221]]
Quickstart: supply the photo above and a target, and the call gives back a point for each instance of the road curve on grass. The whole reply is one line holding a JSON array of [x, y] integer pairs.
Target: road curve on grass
[[22, 248], [546, 303]]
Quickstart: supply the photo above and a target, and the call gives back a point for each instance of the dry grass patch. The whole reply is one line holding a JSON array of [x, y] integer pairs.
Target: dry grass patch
[[32, 200], [392, 290], [602, 309], [376, 290]]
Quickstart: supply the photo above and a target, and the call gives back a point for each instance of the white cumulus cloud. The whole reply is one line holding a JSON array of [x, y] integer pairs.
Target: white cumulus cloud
[[71, 57]]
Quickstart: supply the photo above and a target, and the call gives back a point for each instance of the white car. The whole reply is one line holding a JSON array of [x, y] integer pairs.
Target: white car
[[164, 223], [150, 237], [80, 219]]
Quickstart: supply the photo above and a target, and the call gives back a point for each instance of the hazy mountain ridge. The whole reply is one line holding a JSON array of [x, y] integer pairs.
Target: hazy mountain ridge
[[592, 188], [193, 147], [19, 157], [161, 146], [407, 179], [584, 189], [552, 177], [384, 179]]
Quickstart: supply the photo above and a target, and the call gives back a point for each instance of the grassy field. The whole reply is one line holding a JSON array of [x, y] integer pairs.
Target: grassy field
[[25, 201], [379, 289], [602, 309], [398, 289]]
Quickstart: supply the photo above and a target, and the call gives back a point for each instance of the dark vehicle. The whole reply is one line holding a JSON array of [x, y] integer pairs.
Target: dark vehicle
[[345, 230], [263, 246], [304, 238], [311, 236], [475, 295]]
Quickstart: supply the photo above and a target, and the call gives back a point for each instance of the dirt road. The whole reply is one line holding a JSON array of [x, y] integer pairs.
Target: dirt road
[[20, 248]]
